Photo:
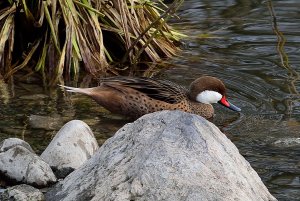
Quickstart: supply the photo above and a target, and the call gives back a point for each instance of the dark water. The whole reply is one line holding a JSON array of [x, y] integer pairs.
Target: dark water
[[252, 45]]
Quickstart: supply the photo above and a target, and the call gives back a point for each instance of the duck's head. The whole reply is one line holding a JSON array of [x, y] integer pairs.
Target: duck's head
[[209, 90]]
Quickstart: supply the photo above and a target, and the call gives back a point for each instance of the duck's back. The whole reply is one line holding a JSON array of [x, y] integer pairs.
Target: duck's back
[[144, 95]]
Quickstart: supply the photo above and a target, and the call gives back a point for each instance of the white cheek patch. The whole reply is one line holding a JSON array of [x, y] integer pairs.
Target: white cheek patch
[[208, 97]]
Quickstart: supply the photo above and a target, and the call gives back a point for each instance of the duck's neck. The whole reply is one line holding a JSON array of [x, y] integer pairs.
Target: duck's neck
[[201, 109]]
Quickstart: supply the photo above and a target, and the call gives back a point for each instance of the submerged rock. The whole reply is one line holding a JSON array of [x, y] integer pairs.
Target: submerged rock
[[20, 165], [71, 147], [287, 142], [12, 142], [45, 122], [34, 97], [167, 155], [21, 192]]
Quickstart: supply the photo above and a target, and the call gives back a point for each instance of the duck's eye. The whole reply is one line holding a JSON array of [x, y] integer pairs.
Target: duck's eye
[[208, 97]]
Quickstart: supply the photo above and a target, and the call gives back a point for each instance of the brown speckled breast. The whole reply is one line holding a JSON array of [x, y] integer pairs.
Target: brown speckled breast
[[201, 109], [139, 104]]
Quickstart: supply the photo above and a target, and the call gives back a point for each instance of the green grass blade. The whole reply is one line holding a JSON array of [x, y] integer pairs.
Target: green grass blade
[[42, 60], [25, 62], [53, 34], [4, 34], [88, 6]]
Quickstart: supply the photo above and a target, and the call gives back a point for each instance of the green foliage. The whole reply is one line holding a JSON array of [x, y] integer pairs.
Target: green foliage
[[60, 37]]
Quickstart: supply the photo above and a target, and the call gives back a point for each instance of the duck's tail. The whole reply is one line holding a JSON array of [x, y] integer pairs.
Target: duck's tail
[[76, 90]]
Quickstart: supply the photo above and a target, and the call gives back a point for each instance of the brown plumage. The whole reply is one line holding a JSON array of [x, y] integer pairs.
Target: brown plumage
[[134, 97]]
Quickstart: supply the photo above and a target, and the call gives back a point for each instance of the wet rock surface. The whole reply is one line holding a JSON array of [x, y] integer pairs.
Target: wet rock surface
[[287, 142], [21, 192], [18, 164], [70, 148], [164, 156]]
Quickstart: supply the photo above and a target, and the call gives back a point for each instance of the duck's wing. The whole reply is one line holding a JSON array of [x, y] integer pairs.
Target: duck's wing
[[162, 90]]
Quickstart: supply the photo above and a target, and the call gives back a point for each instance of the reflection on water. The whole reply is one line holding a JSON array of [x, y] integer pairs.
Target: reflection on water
[[252, 45]]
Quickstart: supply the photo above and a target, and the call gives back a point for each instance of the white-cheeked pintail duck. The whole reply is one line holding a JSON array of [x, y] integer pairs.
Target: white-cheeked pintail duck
[[134, 97]]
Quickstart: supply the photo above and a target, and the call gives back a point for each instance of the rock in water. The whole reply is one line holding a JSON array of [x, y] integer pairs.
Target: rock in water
[[45, 122], [71, 147], [167, 155]]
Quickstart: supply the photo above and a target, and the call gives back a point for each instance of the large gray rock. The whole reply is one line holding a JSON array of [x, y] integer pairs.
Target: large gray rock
[[70, 148], [168, 155], [21, 165], [22, 192], [12, 142]]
